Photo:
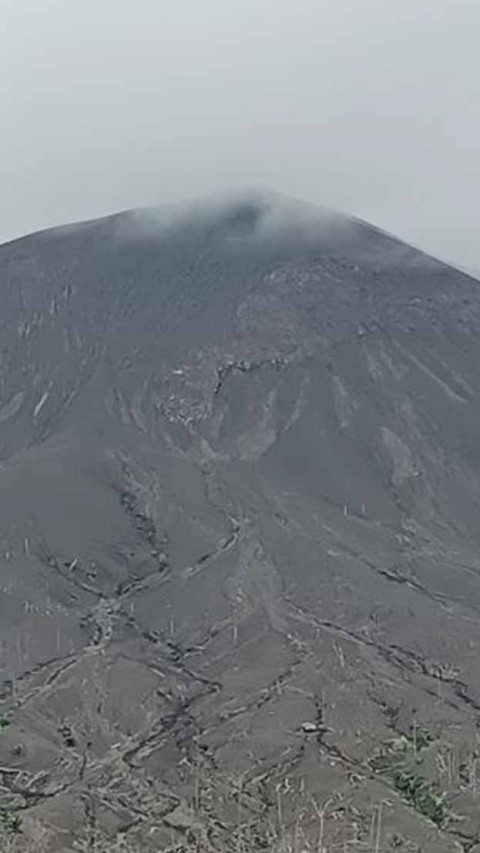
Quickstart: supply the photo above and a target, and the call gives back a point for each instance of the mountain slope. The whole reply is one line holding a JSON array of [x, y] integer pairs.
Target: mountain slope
[[239, 543]]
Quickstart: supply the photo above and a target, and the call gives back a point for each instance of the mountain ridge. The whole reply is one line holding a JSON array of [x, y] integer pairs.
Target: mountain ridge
[[240, 488]]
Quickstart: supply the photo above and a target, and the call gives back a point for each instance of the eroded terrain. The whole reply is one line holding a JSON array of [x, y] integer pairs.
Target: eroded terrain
[[239, 565]]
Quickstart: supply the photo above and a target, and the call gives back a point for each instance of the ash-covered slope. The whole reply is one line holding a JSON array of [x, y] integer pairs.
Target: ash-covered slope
[[240, 493]]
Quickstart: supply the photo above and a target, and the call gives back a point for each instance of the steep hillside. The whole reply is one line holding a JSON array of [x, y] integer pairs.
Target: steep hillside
[[239, 537]]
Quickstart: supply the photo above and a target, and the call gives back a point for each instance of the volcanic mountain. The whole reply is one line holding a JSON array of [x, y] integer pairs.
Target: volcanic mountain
[[239, 536]]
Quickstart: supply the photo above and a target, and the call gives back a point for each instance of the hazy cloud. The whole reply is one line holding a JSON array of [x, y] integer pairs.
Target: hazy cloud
[[372, 107]]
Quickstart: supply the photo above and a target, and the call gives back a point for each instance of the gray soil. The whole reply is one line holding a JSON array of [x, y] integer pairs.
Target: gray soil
[[239, 537]]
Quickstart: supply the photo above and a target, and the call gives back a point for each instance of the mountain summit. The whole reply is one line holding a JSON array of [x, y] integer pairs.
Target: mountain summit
[[240, 492]]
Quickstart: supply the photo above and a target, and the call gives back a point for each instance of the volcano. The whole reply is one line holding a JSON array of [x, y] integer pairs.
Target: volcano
[[239, 536]]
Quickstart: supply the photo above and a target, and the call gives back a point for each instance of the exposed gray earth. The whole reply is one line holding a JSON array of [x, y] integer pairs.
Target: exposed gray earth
[[239, 537]]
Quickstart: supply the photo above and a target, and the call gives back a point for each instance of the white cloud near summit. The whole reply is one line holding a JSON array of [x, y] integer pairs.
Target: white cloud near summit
[[369, 107]]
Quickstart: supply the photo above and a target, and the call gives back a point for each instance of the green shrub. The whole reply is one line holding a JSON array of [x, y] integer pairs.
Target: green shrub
[[418, 792]]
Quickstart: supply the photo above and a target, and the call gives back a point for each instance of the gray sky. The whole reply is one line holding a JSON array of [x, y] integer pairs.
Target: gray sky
[[370, 106]]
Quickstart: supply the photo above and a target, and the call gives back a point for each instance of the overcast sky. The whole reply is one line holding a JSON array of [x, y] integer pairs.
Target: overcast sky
[[370, 106]]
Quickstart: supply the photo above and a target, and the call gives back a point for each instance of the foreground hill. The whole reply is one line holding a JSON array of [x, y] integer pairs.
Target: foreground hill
[[239, 537]]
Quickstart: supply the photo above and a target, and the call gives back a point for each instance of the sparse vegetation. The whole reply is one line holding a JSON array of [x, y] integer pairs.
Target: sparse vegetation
[[10, 823], [396, 749], [421, 795]]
